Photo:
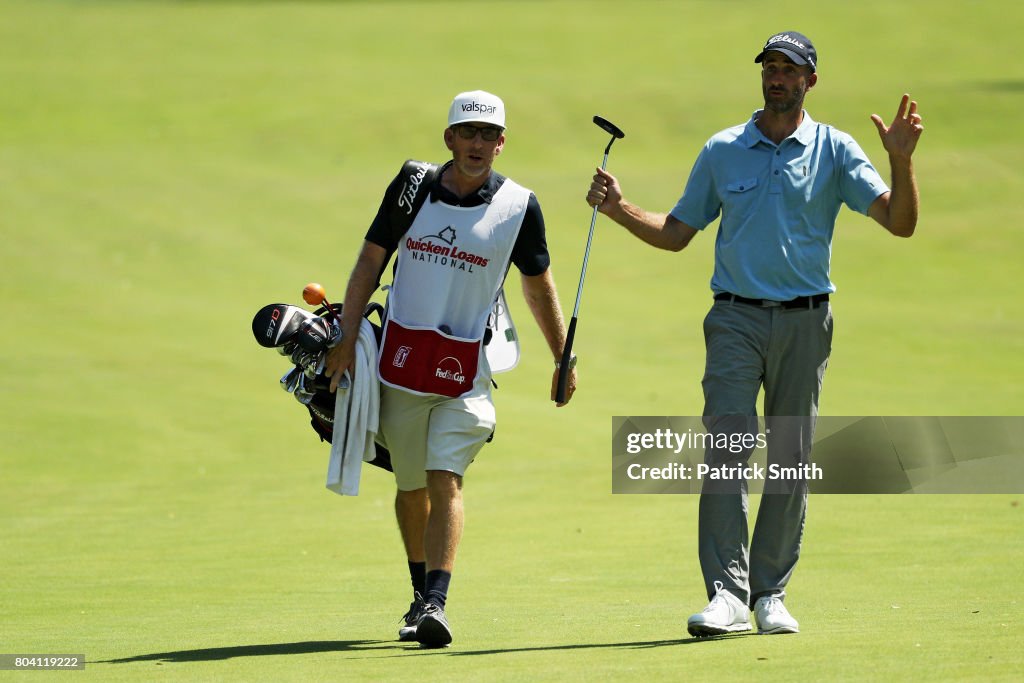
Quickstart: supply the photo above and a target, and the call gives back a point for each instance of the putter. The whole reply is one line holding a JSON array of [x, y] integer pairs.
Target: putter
[[563, 367]]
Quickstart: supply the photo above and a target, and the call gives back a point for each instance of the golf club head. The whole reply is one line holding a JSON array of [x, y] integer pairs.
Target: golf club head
[[304, 390], [317, 334], [609, 127], [291, 379], [276, 324]]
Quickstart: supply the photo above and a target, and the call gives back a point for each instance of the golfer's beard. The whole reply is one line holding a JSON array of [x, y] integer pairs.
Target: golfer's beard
[[472, 169], [785, 106]]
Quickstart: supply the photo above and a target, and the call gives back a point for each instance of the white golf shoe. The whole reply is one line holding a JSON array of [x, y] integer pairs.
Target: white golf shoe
[[773, 617], [407, 632], [724, 614]]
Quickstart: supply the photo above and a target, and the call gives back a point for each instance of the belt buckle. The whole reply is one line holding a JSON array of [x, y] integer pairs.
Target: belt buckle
[[766, 303]]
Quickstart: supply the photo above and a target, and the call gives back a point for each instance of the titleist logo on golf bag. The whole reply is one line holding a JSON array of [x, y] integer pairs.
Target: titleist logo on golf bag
[[476, 106], [320, 413], [410, 189]]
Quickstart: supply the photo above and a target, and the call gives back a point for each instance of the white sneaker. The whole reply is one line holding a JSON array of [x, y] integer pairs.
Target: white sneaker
[[773, 617], [724, 614], [407, 632]]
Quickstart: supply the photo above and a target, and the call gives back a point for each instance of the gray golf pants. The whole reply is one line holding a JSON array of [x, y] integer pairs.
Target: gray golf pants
[[786, 351]]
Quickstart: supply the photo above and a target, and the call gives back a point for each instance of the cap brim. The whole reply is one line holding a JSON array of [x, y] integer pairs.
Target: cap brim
[[797, 59], [485, 121]]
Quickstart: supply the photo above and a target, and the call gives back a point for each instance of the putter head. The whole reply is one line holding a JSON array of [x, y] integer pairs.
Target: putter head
[[609, 127]]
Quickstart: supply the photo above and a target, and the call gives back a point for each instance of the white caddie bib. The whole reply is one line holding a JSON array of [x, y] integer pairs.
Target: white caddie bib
[[449, 271]]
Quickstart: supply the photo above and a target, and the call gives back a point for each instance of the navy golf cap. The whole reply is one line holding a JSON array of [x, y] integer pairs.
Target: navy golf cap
[[796, 46]]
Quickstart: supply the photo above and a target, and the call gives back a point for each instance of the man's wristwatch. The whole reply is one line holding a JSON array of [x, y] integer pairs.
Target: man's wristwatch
[[572, 362]]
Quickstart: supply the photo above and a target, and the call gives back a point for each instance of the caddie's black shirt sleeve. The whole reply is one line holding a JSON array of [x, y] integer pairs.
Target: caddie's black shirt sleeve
[[530, 253]]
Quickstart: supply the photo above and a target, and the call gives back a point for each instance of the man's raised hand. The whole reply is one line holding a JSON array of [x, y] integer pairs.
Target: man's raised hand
[[900, 138]]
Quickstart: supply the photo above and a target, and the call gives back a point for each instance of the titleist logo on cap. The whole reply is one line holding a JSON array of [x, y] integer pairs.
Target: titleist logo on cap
[[785, 38], [794, 45]]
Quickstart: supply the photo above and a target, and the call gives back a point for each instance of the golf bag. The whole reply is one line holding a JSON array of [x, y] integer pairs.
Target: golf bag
[[304, 338]]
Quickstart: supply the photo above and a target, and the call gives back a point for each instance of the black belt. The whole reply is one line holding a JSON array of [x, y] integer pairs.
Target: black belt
[[799, 302]]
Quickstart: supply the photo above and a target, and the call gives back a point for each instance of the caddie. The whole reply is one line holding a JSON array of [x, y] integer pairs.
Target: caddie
[[455, 230]]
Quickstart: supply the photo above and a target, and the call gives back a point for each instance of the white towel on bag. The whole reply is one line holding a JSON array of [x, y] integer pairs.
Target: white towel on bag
[[356, 418]]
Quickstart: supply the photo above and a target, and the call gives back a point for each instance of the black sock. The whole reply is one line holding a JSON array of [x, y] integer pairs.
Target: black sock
[[437, 587], [418, 574]]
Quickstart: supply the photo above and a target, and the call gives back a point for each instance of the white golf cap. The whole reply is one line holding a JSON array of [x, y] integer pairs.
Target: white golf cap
[[477, 106]]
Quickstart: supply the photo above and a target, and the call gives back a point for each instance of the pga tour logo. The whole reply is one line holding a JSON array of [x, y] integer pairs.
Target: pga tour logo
[[450, 369], [401, 355]]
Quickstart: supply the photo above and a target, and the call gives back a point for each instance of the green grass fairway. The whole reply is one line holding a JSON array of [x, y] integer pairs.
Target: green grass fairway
[[167, 168]]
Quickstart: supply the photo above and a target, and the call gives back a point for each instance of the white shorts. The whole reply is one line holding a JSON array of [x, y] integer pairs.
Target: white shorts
[[434, 432]]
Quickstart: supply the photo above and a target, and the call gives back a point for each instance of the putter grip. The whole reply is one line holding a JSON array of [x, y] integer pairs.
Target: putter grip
[[563, 366]]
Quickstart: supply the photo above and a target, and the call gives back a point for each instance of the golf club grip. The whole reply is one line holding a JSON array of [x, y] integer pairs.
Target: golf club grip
[[563, 365], [333, 312]]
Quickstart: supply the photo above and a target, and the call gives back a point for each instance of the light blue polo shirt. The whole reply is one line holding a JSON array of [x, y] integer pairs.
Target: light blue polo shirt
[[778, 204]]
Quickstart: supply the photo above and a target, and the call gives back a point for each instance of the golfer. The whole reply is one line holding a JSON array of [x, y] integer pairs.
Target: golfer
[[456, 230], [778, 182]]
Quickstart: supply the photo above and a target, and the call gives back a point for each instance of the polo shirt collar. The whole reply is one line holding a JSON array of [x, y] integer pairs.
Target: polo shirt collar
[[804, 133], [482, 196]]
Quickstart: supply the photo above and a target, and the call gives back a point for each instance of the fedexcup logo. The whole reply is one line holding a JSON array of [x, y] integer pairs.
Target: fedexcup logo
[[450, 369], [474, 106], [401, 355]]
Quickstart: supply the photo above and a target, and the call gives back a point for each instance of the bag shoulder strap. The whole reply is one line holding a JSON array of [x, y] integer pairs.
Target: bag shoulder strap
[[416, 178]]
